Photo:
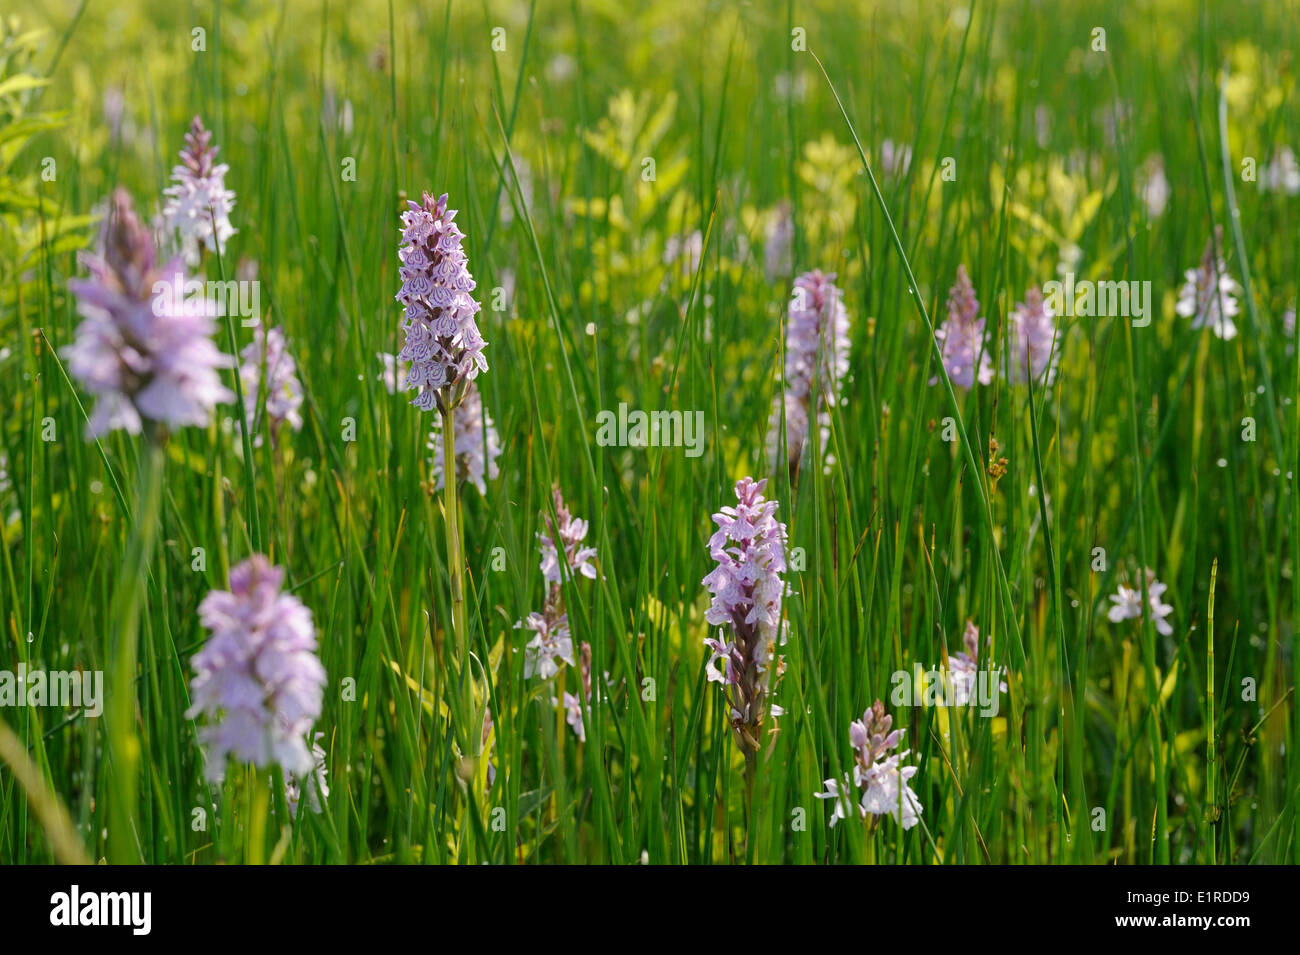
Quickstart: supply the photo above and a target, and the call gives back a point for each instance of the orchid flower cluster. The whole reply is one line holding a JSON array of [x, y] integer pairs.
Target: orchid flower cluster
[[266, 358], [145, 356], [198, 203], [747, 589], [878, 774], [443, 343], [1126, 604], [258, 681], [963, 667], [961, 337], [816, 365], [1209, 294], [552, 641], [1034, 354]]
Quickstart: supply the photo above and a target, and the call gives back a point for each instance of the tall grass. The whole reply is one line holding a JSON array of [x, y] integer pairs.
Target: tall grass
[[1112, 744]]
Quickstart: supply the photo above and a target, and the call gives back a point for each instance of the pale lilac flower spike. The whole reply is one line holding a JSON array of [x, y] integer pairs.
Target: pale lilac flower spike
[[877, 772], [841, 791], [443, 343], [257, 680], [961, 337], [552, 643], [1033, 332], [816, 365], [572, 532], [747, 589], [1208, 297], [144, 355], [477, 443], [963, 667], [266, 358], [1127, 604], [198, 197]]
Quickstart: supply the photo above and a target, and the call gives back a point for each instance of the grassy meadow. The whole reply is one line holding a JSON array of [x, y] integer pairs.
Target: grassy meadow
[[639, 186]]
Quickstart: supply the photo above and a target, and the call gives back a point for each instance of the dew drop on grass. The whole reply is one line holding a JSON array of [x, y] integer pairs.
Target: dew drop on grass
[[96, 487], [1222, 462]]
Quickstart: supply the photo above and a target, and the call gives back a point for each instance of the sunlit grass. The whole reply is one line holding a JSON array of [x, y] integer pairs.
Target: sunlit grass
[[1028, 150]]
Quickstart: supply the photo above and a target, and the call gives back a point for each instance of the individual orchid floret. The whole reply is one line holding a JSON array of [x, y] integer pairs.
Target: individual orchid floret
[[443, 343], [266, 359], [747, 590], [477, 443], [258, 681], [961, 337], [816, 366], [198, 202], [1209, 296], [841, 791], [1127, 604], [142, 349], [1034, 351]]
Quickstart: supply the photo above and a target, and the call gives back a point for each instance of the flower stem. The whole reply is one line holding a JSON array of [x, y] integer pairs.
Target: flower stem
[[456, 571], [124, 745]]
